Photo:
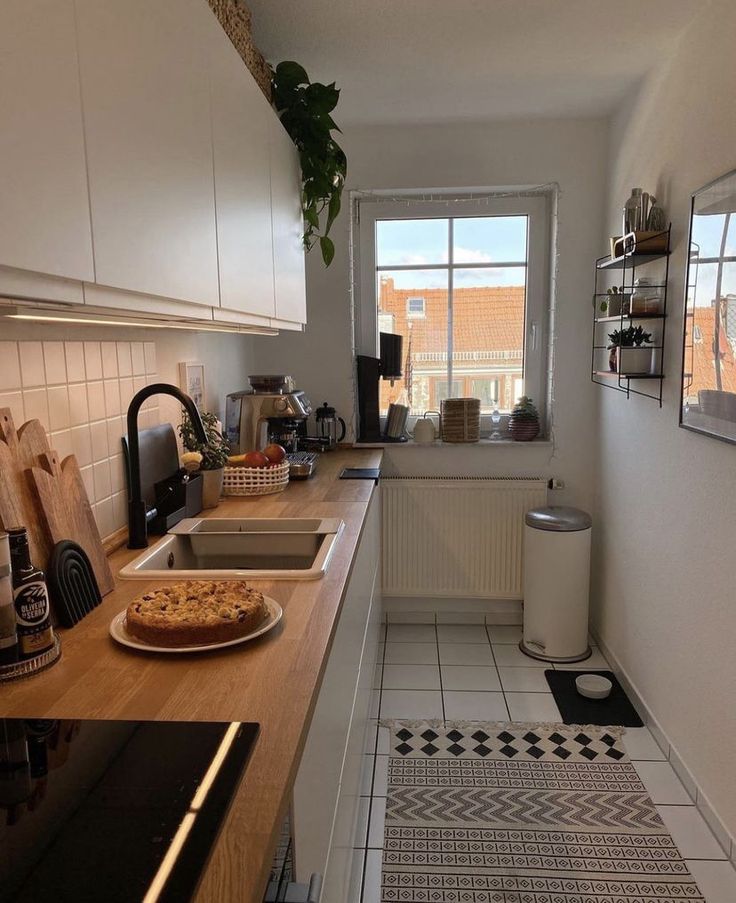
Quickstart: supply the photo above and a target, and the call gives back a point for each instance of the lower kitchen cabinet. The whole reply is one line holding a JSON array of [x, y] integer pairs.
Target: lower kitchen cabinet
[[327, 788]]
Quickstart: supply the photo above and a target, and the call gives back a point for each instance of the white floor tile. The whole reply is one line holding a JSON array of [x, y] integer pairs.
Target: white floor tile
[[716, 880], [384, 741], [372, 883], [411, 677], [369, 745], [662, 783], [378, 677], [690, 832], [356, 876], [361, 822], [504, 633], [524, 680], [465, 654], [470, 677], [411, 704], [411, 654], [366, 775], [462, 633], [596, 662], [377, 819], [380, 776], [532, 707], [641, 745], [374, 710], [374, 777], [411, 633], [508, 656], [469, 706]]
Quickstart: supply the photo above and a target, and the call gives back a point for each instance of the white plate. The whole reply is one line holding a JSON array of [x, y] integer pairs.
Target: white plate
[[121, 635]]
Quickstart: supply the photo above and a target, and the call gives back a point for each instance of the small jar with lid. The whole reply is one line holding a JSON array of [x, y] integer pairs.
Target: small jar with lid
[[646, 299]]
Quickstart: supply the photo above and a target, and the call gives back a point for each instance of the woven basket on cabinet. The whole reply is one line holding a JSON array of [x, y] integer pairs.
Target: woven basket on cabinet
[[460, 420], [255, 480]]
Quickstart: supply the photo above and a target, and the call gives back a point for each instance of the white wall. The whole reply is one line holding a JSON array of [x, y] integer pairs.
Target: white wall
[[664, 575], [569, 152], [79, 381]]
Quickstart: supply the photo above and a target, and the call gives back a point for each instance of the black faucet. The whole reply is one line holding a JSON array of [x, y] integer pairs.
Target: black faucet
[[137, 522]]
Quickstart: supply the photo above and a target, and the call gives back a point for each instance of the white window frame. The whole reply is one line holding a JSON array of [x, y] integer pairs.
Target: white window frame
[[536, 206], [415, 314]]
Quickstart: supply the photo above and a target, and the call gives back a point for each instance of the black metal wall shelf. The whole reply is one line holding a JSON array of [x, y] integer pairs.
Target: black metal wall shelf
[[630, 383]]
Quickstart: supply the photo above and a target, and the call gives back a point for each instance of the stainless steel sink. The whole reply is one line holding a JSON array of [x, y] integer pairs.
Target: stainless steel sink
[[217, 548]]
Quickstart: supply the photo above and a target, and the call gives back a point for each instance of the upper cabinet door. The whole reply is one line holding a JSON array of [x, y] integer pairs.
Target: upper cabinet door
[[240, 122], [45, 224], [288, 227], [145, 93]]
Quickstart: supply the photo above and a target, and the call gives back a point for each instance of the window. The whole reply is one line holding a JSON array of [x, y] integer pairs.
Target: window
[[414, 307], [466, 285]]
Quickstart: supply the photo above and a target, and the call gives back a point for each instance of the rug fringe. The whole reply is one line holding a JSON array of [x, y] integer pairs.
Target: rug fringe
[[439, 724]]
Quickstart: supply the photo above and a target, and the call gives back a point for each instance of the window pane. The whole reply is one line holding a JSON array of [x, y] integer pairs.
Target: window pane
[[489, 239], [425, 337], [488, 333], [401, 242]]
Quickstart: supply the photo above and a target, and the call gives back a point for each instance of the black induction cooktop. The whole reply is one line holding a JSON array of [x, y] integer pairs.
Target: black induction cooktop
[[113, 811]]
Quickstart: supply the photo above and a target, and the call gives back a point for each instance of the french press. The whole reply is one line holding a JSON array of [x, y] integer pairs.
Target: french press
[[327, 421]]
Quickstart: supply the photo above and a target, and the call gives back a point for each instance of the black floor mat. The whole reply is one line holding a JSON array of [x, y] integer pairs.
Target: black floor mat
[[576, 709]]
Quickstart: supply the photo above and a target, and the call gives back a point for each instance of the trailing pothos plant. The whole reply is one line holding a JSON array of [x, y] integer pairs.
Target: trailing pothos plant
[[304, 108]]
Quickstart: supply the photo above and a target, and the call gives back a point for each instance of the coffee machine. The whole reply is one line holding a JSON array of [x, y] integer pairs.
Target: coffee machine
[[271, 410]]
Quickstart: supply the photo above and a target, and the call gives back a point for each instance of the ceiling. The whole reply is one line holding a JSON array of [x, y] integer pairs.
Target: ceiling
[[414, 61]]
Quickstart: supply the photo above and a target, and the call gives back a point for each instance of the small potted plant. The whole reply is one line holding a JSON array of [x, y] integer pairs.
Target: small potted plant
[[214, 455], [630, 351], [524, 421]]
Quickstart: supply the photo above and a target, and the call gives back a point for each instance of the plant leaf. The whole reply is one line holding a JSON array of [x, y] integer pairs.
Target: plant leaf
[[290, 74], [332, 210], [328, 249]]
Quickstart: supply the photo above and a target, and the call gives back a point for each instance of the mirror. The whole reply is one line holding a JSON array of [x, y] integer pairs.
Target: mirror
[[709, 344]]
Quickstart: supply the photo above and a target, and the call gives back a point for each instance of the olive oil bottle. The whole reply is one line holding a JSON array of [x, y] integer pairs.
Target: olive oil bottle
[[31, 598]]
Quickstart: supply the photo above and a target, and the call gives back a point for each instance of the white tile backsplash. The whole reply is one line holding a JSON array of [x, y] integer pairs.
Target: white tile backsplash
[[55, 363], [93, 360], [80, 392], [9, 366], [32, 368]]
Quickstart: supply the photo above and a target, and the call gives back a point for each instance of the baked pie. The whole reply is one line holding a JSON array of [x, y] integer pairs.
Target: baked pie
[[196, 613]]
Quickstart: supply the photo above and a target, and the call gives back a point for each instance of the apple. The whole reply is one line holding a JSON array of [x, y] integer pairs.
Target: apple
[[275, 453], [256, 459]]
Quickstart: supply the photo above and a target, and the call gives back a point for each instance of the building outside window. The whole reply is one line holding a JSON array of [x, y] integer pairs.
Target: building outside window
[[466, 285]]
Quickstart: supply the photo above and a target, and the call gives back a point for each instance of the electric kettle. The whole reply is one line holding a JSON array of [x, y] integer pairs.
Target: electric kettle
[[327, 421], [424, 429]]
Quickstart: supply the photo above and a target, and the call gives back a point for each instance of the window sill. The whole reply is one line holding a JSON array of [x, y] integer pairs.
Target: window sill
[[504, 443]]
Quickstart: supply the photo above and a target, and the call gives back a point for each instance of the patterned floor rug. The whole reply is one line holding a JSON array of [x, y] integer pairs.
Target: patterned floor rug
[[510, 813]]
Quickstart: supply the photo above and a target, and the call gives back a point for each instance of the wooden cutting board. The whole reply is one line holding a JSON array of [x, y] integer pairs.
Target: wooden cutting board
[[66, 512], [20, 450]]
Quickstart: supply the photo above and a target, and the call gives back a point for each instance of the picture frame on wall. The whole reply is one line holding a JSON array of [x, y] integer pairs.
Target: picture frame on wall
[[191, 381]]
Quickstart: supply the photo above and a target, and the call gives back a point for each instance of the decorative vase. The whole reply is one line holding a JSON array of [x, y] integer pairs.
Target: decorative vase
[[524, 421], [212, 487]]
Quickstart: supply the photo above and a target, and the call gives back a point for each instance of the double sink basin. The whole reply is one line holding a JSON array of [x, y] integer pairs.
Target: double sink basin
[[285, 548]]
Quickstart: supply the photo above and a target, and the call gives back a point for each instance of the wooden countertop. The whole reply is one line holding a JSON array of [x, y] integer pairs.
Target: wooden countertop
[[273, 680]]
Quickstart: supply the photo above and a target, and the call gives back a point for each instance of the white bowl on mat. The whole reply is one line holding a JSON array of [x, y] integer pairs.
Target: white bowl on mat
[[593, 686]]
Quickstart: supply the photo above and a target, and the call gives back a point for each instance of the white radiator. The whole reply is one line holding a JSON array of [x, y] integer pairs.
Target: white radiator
[[457, 536]]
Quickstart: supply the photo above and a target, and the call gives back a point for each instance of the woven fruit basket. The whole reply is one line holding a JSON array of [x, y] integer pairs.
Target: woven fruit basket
[[255, 480]]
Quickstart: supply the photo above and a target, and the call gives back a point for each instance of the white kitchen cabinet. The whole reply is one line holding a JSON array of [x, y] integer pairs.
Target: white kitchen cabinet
[[288, 227], [45, 224], [240, 123], [145, 93], [327, 788]]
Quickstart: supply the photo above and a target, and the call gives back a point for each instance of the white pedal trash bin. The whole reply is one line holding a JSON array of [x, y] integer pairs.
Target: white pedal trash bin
[[556, 584]]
